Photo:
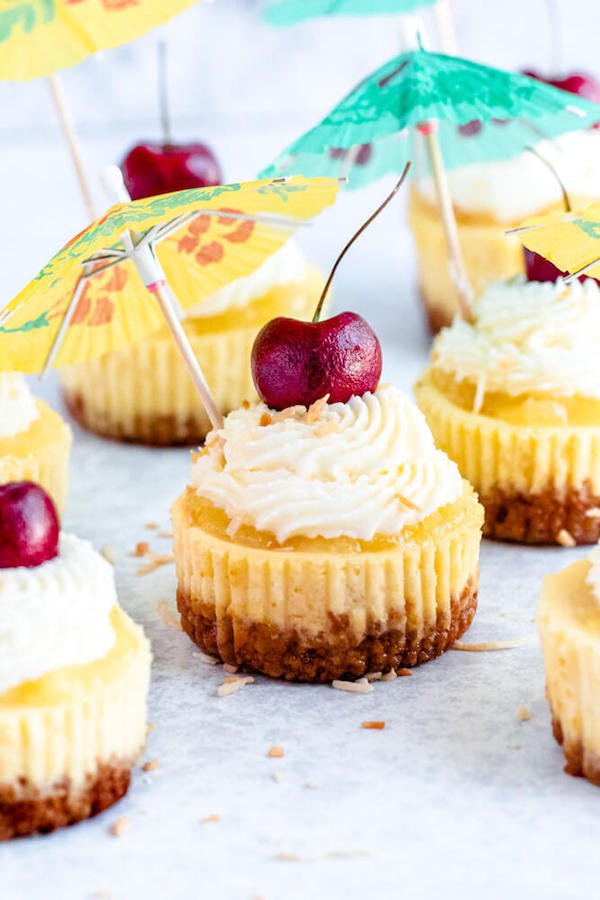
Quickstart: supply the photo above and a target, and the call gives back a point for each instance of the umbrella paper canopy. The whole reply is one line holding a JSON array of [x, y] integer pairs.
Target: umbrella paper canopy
[[570, 240], [288, 12], [38, 37], [202, 253], [509, 110]]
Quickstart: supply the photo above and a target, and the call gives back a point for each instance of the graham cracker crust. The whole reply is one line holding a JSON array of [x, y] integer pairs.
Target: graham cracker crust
[[25, 809], [540, 518], [153, 431], [578, 762], [294, 656]]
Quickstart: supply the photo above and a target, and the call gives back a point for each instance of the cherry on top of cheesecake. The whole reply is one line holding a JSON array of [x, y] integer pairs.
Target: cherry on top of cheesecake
[[160, 168], [295, 363], [580, 83], [29, 526]]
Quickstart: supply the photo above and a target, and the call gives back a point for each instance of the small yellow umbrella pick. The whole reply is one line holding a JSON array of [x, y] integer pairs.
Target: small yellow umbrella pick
[[92, 297], [570, 240]]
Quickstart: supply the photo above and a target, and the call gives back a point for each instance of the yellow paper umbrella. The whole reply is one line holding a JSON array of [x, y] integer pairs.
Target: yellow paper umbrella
[[39, 37], [91, 298], [570, 240]]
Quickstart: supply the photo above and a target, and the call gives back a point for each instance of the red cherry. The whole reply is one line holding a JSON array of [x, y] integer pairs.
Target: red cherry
[[29, 527], [151, 169], [470, 128], [297, 362], [579, 83], [539, 269]]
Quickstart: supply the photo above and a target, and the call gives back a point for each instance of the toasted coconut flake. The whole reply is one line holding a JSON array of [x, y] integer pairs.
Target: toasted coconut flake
[[326, 428], [288, 857], [229, 668], [315, 409], [169, 617], [108, 554], [276, 752], [141, 548], [119, 827], [156, 561], [212, 818], [593, 512], [166, 534], [494, 645], [245, 404], [373, 676], [152, 526], [404, 501], [389, 676], [247, 679], [265, 420], [373, 726], [205, 658], [232, 685], [290, 412], [277, 776], [404, 673], [353, 687], [479, 394], [523, 714], [151, 765], [565, 538]]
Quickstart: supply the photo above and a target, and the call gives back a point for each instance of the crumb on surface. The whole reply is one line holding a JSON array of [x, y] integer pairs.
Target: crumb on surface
[[565, 538], [232, 685], [288, 857], [404, 673], [265, 420], [390, 676], [373, 726], [152, 526], [107, 552], [494, 645], [141, 548], [374, 676], [245, 404], [361, 686], [205, 658], [166, 534], [277, 776], [156, 561], [230, 669], [151, 765], [276, 753], [212, 818], [523, 714], [118, 828], [315, 409], [169, 617]]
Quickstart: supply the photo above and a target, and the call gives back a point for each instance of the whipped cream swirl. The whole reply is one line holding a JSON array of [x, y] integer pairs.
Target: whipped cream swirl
[[56, 614], [355, 469], [18, 407], [528, 337], [510, 190], [287, 265]]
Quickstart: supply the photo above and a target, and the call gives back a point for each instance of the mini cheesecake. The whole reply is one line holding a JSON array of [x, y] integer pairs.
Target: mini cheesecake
[[74, 674], [34, 440], [569, 626], [489, 199], [325, 543], [513, 397], [143, 393]]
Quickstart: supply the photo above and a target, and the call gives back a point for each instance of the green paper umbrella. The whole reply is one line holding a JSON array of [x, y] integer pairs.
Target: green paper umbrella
[[289, 12], [473, 111]]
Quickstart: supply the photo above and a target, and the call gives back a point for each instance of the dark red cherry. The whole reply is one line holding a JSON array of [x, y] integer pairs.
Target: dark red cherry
[[539, 269], [150, 169], [29, 526], [579, 83], [296, 363], [470, 128]]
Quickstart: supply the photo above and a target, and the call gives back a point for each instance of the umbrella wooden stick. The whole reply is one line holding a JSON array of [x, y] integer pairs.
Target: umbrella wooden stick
[[458, 271], [150, 271], [70, 134], [445, 27]]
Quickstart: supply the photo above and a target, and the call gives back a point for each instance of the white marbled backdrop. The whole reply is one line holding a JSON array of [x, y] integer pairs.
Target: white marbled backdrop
[[457, 795]]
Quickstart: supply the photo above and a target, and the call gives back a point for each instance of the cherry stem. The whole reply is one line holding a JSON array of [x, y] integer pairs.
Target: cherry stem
[[366, 224], [163, 93], [566, 198]]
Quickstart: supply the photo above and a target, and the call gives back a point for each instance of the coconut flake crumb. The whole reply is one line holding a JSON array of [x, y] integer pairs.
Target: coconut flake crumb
[[565, 538], [373, 726], [404, 673], [156, 561], [230, 669], [361, 686], [277, 776], [212, 818], [232, 685], [108, 554], [152, 526], [151, 765], [315, 409], [119, 827], [389, 676], [523, 714], [169, 617], [288, 857], [166, 534], [265, 420], [479, 394], [374, 676], [141, 548], [276, 752], [494, 645], [205, 658]]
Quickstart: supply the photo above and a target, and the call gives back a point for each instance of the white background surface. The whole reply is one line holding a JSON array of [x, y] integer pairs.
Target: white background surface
[[456, 796]]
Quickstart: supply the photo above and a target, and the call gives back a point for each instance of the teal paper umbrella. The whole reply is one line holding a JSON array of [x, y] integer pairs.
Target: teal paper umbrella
[[473, 112], [289, 12]]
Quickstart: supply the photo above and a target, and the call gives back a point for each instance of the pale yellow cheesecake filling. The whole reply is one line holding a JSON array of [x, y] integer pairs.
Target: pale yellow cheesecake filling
[[39, 454], [569, 626], [63, 724]]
